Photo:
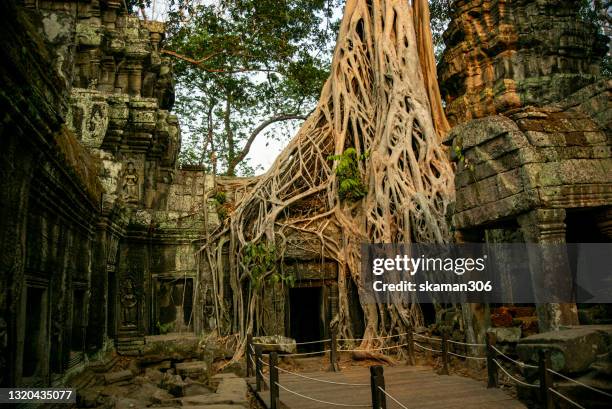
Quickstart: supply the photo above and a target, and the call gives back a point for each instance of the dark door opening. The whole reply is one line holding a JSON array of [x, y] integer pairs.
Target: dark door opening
[[110, 305], [78, 327], [305, 317], [35, 324]]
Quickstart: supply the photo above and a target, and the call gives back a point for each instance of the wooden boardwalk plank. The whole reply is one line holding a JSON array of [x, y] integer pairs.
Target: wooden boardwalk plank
[[416, 387]]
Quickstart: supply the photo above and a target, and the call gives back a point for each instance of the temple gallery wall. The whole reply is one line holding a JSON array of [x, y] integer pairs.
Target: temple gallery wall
[[99, 227]]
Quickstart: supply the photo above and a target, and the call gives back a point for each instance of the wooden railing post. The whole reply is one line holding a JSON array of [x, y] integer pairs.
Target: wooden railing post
[[491, 365], [333, 350], [444, 353], [258, 367], [546, 381], [274, 399], [249, 355], [377, 380], [410, 342]]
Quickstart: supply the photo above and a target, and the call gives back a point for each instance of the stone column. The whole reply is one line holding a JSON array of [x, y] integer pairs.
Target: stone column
[[550, 271], [135, 78], [107, 77], [122, 79], [476, 316], [94, 68]]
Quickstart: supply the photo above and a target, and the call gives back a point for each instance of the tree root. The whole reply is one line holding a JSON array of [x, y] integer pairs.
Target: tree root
[[374, 101]]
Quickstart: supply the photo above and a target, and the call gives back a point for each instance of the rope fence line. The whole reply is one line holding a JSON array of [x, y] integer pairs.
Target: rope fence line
[[567, 378], [319, 341], [322, 401], [466, 343], [321, 380], [519, 363], [385, 337], [426, 348], [546, 385], [426, 337], [467, 356], [374, 349], [559, 394], [513, 378], [400, 404]]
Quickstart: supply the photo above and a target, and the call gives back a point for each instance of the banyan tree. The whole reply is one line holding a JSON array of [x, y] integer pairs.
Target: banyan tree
[[366, 166]]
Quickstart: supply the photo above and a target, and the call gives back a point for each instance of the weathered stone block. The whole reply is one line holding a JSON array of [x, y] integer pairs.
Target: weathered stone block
[[276, 343], [572, 350], [507, 334], [120, 376], [193, 369]]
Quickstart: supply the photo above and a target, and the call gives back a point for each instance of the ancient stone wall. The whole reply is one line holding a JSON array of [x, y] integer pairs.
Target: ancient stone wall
[[532, 135], [99, 227], [504, 54], [49, 202]]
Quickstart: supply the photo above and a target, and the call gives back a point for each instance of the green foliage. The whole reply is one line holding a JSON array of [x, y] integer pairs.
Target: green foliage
[[220, 197], [258, 59], [164, 328], [350, 184], [440, 13], [458, 150], [221, 205], [260, 259], [595, 12]]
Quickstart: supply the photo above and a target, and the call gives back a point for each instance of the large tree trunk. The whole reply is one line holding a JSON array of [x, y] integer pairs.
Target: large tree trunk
[[375, 101]]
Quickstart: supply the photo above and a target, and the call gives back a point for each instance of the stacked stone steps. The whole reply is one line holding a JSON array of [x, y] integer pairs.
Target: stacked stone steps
[[130, 344]]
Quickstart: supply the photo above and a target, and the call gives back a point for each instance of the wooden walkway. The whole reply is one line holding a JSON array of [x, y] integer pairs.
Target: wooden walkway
[[416, 387]]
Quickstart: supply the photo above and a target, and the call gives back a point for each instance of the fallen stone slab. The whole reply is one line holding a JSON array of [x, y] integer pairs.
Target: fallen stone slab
[[572, 350], [194, 389], [276, 343], [192, 369], [231, 390], [120, 376]]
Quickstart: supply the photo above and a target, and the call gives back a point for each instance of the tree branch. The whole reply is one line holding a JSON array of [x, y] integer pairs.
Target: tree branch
[[247, 147]]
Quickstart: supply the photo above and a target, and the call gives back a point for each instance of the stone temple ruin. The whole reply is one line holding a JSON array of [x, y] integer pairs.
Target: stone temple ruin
[[99, 226]]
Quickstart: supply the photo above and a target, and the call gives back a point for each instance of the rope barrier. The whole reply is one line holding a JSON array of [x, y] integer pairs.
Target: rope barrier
[[609, 395], [427, 349], [295, 343], [519, 363], [321, 401], [430, 338], [385, 337], [513, 378], [466, 356], [373, 349], [559, 394], [321, 380], [264, 362], [392, 398], [466, 343], [310, 353]]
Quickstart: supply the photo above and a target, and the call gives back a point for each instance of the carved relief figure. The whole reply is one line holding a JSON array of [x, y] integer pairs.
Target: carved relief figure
[[130, 184], [128, 303]]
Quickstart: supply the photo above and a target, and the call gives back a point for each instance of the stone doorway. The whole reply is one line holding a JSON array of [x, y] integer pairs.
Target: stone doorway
[[305, 316], [34, 335]]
